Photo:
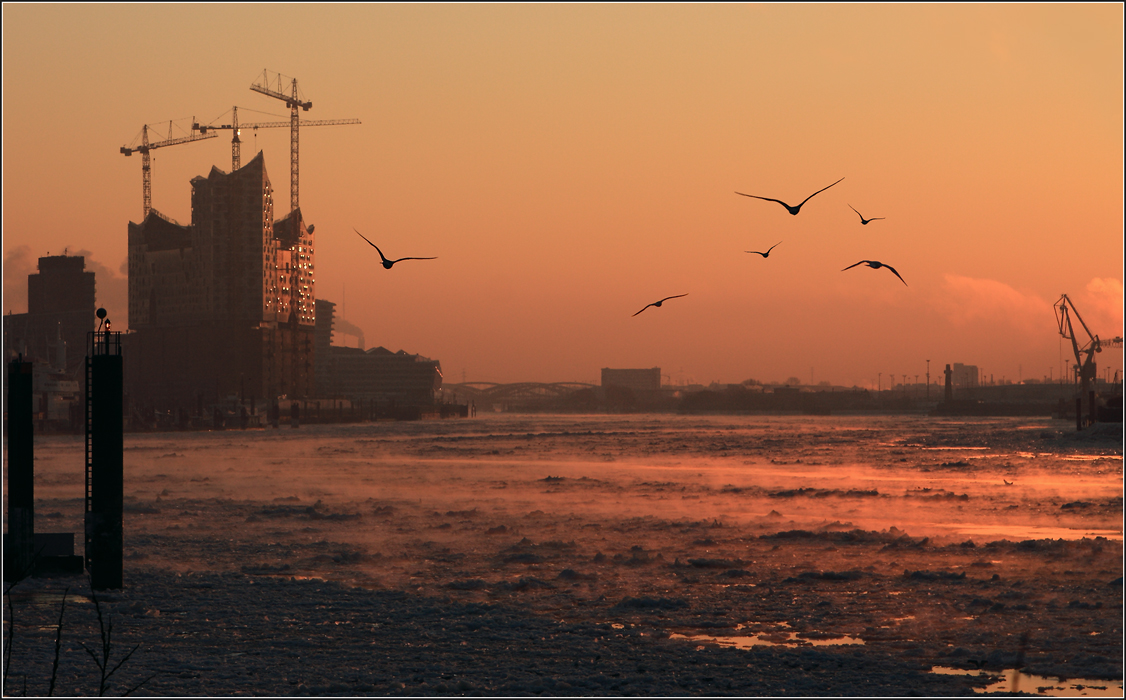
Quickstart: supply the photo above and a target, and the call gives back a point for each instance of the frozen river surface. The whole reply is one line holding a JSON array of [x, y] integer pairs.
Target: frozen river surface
[[599, 555]]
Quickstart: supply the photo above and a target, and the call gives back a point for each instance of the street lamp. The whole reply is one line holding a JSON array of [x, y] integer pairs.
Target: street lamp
[[928, 380]]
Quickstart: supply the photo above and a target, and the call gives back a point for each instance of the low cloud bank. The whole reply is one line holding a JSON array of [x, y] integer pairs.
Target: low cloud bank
[[965, 300]]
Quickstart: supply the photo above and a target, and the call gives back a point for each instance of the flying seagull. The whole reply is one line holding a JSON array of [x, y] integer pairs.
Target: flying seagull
[[386, 263], [766, 254], [875, 265], [662, 301], [792, 210], [862, 219]]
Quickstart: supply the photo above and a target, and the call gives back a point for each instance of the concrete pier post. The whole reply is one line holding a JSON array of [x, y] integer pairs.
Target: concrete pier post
[[19, 542]]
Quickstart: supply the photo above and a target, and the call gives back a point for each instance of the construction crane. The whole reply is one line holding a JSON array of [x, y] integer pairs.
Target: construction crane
[[265, 86], [234, 126], [146, 164], [1084, 354]]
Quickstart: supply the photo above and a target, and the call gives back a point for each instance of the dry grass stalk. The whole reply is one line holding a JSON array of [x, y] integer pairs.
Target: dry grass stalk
[[58, 644]]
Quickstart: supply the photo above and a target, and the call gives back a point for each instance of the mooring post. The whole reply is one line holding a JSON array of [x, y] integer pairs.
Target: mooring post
[[19, 543], [105, 449]]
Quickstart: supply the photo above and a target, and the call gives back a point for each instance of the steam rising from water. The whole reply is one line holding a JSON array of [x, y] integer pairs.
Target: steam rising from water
[[691, 531], [382, 488]]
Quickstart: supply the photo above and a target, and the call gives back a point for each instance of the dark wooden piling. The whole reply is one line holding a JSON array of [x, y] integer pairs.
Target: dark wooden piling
[[19, 543]]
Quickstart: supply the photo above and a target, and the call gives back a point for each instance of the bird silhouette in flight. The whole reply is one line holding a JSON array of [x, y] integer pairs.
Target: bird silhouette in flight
[[862, 219], [386, 263], [792, 210], [766, 254], [875, 265], [662, 301]]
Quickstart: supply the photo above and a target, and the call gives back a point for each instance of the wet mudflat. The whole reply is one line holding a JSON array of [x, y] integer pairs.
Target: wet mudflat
[[569, 555]]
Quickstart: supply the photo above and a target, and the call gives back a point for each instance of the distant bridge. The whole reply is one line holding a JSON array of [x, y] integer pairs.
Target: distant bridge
[[487, 393]]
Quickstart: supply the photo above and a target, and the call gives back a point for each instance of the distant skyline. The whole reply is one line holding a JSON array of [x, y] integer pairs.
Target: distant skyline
[[569, 164]]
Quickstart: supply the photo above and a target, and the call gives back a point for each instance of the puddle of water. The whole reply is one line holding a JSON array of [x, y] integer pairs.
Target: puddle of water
[[955, 448], [46, 599], [769, 640], [1013, 681]]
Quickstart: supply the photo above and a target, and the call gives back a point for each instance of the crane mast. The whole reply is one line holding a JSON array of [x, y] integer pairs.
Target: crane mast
[[293, 102], [146, 163], [235, 149]]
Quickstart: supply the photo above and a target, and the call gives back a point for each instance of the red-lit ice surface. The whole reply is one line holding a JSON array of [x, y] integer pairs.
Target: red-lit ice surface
[[648, 554]]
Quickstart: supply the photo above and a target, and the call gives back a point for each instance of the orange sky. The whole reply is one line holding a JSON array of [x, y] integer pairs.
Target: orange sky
[[569, 164]]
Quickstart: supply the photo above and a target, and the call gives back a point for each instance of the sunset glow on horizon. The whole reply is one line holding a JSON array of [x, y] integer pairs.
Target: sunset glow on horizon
[[569, 164]]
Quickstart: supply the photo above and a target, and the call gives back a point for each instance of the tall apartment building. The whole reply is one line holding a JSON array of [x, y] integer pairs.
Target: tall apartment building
[[224, 306], [60, 304]]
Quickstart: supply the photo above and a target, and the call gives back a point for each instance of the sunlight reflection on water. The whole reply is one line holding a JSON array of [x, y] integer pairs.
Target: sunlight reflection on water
[[1012, 681], [1029, 532], [769, 640], [47, 599]]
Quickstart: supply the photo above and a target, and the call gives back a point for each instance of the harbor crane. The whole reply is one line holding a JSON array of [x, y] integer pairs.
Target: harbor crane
[[235, 127], [1084, 354], [266, 86], [146, 163]]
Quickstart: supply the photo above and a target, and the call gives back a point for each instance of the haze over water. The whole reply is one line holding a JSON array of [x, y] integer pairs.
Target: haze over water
[[609, 554], [926, 477]]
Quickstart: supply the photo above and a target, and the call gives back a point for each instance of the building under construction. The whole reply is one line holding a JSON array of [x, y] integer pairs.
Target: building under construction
[[224, 306]]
